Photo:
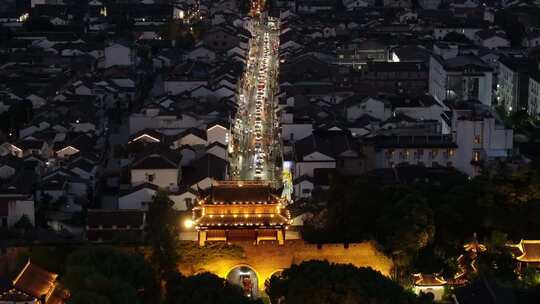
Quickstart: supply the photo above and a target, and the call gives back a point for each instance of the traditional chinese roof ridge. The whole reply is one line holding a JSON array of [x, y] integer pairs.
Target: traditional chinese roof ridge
[[241, 192], [421, 279], [528, 251], [191, 131], [150, 133], [29, 144], [32, 282], [139, 187], [241, 204], [158, 160]]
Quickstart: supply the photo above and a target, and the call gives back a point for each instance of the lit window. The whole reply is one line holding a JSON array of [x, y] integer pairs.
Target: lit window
[[476, 156], [477, 139]]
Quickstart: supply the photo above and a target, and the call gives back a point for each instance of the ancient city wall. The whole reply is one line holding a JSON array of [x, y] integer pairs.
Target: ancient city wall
[[267, 258]]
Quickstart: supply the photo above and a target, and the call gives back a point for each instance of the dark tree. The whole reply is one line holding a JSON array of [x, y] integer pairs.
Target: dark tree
[[108, 275], [38, 24], [163, 235], [245, 6], [456, 37], [319, 282], [204, 288], [511, 25]]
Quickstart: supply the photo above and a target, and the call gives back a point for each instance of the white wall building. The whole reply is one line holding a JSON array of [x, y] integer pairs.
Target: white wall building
[[513, 82], [217, 132], [464, 77], [158, 170], [13, 207], [368, 106], [480, 139], [534, 95], [467, 31], [426, 150], [138, 198]]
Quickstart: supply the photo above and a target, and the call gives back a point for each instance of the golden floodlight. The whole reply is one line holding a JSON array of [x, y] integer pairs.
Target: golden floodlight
[[188, 223]]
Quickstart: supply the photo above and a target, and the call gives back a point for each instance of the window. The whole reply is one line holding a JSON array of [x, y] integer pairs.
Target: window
[[477, 139], [306, 191], [150, 177], [189, 202]]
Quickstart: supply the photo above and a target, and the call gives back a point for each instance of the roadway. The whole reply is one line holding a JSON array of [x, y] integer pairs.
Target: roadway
[[255, 137]]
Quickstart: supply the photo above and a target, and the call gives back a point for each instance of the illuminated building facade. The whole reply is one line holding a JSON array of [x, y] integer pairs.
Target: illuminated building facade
[[241, 211]]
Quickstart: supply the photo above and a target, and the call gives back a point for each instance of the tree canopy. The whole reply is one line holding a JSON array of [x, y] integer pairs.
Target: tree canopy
[[163, 235], [204, 288], [423, 225], [107, 275], [317, 282], [456, 37]]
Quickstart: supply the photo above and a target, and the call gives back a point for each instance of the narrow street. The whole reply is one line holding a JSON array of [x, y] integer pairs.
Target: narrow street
[[255, 132]]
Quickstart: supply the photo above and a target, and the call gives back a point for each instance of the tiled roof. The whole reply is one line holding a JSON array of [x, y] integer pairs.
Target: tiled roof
[[148, 132], [35, 281], [330, 143], [157, 161], [208, 165], [246, 193], [530, 251], [29, 144]]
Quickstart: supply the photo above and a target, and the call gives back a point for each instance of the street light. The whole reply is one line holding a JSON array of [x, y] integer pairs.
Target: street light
[[188, 223]]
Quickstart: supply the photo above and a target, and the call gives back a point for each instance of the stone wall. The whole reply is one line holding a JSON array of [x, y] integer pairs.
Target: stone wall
[[268, 258]]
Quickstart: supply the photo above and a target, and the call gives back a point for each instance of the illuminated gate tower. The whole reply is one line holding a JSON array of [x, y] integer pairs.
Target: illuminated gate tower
[[241, 211]]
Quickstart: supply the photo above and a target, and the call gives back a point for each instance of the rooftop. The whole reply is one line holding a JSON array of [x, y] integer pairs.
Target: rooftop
[[241, 192]]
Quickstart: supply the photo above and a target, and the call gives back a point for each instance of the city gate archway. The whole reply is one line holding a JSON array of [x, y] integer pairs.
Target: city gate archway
[[246, 277]]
